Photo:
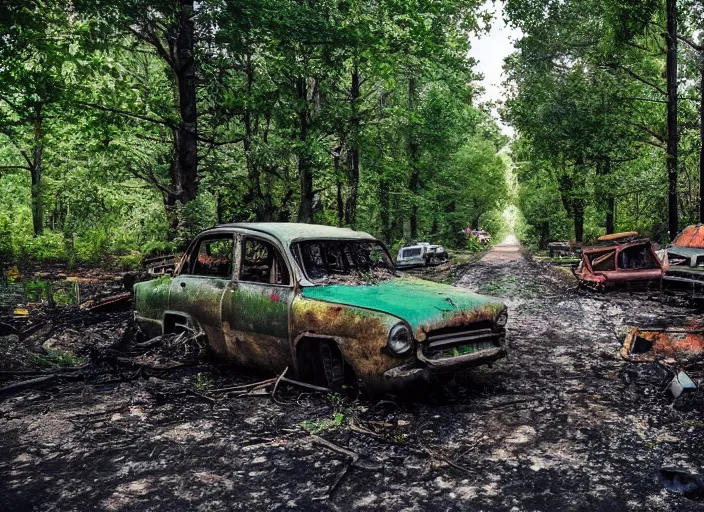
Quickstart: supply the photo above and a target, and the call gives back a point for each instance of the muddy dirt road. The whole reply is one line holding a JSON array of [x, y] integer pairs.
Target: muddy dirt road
[[560, 425]]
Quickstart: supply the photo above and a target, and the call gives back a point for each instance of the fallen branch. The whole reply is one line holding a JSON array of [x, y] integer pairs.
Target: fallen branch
[[435, 456], [354, 458], [276, 385], [243, 387], [354, 461], [264, 383], [305, 385], [26, 384]]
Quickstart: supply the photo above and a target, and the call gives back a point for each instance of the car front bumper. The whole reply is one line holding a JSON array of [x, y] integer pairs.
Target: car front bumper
[[423, 368]]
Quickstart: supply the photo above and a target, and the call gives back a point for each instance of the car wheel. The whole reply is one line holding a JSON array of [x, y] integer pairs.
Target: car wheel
[[333, 365]]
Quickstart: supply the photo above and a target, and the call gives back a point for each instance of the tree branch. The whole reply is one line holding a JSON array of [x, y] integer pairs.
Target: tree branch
[[153, 40], [214, 142], [128, 114], [641, 79], [690, 42], [10, 167]]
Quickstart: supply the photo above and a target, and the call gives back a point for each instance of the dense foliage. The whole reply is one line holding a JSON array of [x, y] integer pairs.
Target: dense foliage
[[589, 91], [129, 125]]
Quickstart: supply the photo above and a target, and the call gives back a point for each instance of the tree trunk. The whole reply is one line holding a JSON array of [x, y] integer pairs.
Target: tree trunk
[[544, 234], [604, 169], [305, 165], [673, 224], [610, 207], [579, 220], [36, 171], [701, 137], [185, 172], [414, 183], [351, 209]]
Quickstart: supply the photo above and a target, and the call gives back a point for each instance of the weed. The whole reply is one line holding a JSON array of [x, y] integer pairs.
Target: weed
[[203, 382], [55, 359]]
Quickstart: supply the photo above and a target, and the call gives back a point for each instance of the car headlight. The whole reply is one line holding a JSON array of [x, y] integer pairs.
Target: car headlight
[[400, 340], [501, 318]]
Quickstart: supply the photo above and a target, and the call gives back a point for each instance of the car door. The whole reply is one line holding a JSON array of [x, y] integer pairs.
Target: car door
[[256, 309], [196, 293]]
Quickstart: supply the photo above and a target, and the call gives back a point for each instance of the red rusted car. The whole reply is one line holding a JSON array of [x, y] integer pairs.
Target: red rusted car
[[621, 259]]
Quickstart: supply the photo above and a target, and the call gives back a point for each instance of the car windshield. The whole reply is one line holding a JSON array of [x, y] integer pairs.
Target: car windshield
[[344, 261]]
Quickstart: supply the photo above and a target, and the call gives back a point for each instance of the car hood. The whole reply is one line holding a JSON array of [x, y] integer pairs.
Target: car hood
[[425, 305], [685, 252]]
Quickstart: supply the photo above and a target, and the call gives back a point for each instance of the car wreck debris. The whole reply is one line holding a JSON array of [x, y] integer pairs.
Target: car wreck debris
[[657, 343], [325, 302], [681, 383], [617, 261], [561, 249]]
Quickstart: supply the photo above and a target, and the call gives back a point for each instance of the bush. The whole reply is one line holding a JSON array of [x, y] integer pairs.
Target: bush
[[157, 247], [132, 261], [92, 246], [48, 247]]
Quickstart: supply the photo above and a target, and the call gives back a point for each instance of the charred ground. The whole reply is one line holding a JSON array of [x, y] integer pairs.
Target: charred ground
[[562, 424]]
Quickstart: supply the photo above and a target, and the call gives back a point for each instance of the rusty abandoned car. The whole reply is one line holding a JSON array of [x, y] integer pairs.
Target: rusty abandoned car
[[685, 262], [325, 302], [622, 259]]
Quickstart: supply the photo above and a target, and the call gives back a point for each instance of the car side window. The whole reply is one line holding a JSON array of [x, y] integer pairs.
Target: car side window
[[262, 263], [214, 257]]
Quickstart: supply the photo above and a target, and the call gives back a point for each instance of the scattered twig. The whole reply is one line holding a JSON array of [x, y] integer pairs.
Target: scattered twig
[[435, 456], [354, 462], [201, 395], [264, 383], [243, 387], [305, 385], [276, 385], [354, 458]]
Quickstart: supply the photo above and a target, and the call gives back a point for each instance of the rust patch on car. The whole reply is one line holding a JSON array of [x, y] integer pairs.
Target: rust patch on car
[[362, 334], [652, 343]]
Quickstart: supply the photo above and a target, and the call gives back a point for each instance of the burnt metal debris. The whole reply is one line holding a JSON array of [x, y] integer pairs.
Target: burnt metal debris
[[620, 260], [325, 302], [661, 343]]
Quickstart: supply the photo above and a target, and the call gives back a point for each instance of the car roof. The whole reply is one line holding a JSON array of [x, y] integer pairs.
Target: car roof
[[288, 232]]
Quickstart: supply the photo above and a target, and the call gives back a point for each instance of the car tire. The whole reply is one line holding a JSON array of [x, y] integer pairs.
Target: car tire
[[333, 365]]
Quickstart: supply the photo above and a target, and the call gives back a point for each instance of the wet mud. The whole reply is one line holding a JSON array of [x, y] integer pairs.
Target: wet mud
[[562, 424]]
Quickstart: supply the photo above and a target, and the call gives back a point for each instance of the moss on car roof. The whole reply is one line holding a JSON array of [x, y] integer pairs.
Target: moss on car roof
[[288, 232]]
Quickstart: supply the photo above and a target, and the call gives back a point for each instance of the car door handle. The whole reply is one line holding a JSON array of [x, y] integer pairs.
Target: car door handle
[[183, 285]]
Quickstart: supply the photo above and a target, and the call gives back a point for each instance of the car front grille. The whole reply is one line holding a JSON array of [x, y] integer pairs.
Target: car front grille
[[459, 341]]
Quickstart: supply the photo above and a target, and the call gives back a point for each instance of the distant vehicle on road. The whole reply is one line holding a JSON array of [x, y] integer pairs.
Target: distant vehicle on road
[[421, 254], [482, 236]]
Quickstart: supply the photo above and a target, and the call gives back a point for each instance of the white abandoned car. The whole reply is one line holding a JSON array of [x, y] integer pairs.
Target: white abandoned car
[[421, 254]]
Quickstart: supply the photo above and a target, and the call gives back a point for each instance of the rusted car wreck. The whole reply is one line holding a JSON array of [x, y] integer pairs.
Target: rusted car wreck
[[685, 262], [619, 260], [325, 302]]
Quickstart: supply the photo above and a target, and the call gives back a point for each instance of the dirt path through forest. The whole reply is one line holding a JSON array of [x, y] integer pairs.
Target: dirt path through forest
[[559, 425], [508, 250]]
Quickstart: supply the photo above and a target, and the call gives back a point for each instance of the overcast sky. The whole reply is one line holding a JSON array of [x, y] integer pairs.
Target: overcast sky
[[489, 51]]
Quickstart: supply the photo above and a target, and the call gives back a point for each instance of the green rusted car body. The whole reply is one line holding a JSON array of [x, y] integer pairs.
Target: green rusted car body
[[325, 302]]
